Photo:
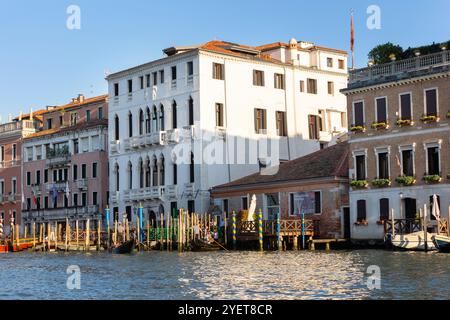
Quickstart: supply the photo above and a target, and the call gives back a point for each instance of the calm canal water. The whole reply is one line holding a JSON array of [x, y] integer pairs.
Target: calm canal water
[[227, 275]]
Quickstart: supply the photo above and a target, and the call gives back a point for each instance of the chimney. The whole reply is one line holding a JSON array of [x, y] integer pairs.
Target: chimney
[[80, 98], [292, 54], [31, 114]]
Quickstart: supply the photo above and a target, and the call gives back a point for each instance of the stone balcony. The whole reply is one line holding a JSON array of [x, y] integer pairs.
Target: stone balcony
[[61, 213], [143, 141], [58, 161], [60, 186], [114, 146], [402, 69], [82, 184]]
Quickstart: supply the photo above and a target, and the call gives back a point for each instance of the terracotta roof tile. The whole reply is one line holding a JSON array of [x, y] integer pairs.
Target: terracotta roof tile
[[329, 162], [79, 126]]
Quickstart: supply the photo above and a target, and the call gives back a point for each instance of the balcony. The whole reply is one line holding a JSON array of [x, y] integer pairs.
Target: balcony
[[187, 133], [189, 190], [9, 164], [82, 184], [59, 186], [12, 198], [221, 133], [25, 125], [114, 146], [115, 197], [61, 213], [151, 193], [172, 136], [171, 192], [154, 138], [58, 157], [397, 70]]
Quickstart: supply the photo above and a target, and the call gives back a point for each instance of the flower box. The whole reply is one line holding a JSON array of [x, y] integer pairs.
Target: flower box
[[362, 223], [404, 122], [429, 119], [380, 222], [406, 180], [432, 178], [357, 129], [448, 114], [448, 176], [359, 184], [381, 183], [380, 125]]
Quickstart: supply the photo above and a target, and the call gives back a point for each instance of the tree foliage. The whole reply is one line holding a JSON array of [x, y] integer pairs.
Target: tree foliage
[[380, 54]]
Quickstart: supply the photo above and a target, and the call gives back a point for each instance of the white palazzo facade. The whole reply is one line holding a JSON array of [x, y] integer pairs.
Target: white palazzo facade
[[210, 114]]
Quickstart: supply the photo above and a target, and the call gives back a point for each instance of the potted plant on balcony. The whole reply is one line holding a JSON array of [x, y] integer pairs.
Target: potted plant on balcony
[[406, 180], [404, 122], [429, 118], [433, 178], [357, 129], [359, 184], [381, 222], [380, 125], [381, 183], [362, 222]]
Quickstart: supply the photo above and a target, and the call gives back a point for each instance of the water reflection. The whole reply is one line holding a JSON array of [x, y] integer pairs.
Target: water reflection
[[227, 275]]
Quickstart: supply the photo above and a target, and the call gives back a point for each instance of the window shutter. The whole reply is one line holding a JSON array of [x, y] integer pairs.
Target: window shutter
[[255, 115]]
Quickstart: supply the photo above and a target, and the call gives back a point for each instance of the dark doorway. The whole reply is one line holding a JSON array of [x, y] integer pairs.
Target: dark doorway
[[347, 223], [410, 208]]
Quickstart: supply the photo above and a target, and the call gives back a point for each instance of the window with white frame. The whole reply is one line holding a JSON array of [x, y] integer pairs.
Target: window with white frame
[[309, 202], [381, 109]]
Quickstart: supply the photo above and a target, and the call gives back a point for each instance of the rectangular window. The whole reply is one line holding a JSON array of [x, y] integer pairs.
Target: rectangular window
[[225, 206], [219, 115], [407, 163], [76, 148], [46, 202], [28, 178], [302, 86], [431, 102], [218, 71], [94, 170], [49, 124], [381, 108], [405, 106], [279, 81], [130, 86], [383, 165], [55, 175], [191, 206], [174, 73], [75, 172], [75, 199], [190, 68], [341, 63], [330, 62], [73, 118], [191, 112], [281, 123], [141, 82], [360, 167], [433, 160], [94, 198], [318, 202], [384, 209], [116, 89], [358, 109], [260, 121], [312, 86], [14, 152], [100, 113], [161, 76], [147, 80], [83, 171], [331, 87], [175, 174], [14, 186], [45, 175], [361, 210], [2, 153], [258, 78], [155, 78], [38, 177], [244, 203], [84, 199], [314, 124], [88, 115]]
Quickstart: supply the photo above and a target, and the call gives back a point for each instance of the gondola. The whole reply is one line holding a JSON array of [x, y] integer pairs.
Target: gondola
[[442, 243], [124, 248]]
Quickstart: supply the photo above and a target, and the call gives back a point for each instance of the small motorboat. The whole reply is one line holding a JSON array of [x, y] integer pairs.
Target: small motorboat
[[124, 248], [442, 243], [413, 241]]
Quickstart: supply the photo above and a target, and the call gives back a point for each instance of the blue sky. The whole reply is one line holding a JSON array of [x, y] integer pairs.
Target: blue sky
[[44, 63]]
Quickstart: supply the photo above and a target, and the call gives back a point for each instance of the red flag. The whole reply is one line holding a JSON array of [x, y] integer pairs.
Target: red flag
[[352, 34]]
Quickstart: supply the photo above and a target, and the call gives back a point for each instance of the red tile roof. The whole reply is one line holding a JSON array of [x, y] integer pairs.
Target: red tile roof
[[331, 162], [77, 127]]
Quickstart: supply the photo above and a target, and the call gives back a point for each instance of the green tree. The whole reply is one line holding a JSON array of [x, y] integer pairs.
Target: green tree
[[380, 54]]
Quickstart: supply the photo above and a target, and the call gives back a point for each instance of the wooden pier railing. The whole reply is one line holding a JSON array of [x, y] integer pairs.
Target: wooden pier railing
[[403, 226], [287, 227]]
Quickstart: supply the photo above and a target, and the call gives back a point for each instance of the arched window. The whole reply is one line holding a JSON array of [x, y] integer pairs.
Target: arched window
[[174, 114], [155, 171], [148, 120], [117, 177], [162, 171], [191, 111], [130, 124], [161, 118], [116, 127], [141, 122], [147, 173], [155, 120], [141, 173], [130, 175], [191, 169]]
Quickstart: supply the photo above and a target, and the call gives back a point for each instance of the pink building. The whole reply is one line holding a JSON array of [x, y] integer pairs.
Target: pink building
[[65, 167], [11, 135]]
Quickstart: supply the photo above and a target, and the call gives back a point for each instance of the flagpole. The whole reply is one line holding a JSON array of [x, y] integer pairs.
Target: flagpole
[[352, 39]]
